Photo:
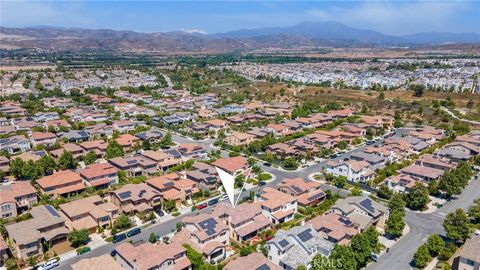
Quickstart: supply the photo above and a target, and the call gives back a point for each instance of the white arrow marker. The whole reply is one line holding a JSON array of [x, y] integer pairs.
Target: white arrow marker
[[228, 182]]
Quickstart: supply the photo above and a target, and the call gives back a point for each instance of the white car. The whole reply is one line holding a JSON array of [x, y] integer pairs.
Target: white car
[[51, 264], [223, 198]]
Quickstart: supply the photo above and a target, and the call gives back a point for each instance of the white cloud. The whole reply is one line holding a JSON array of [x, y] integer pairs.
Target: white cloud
[[195, 31]]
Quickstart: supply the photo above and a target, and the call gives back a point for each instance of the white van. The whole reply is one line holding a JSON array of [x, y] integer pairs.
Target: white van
[[51, 264]]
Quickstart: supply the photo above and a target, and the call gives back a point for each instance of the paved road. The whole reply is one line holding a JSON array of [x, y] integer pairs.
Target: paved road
[[421, 226]]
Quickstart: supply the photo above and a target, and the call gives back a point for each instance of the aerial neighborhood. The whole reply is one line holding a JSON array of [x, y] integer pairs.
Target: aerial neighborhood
[[118, 168]]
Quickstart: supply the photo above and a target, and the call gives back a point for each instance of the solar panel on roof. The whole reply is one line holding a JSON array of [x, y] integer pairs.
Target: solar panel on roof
[[305, 235], [52, 210], [297, 189], [169, 184], [283, 243], [130, 162], [263, 267], [367, 204], [125, 194], [316, 196]]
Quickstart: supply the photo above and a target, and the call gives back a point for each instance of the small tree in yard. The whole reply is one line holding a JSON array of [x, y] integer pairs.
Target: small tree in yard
[[395, 224], [457, 226], [152, 238], [123, 222], [90, 158], [435, 243], [67, 161], [78, 238], [422, 257], [417, 198]]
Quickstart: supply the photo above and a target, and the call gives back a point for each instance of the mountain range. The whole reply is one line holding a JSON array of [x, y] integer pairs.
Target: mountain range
[[329, 33]]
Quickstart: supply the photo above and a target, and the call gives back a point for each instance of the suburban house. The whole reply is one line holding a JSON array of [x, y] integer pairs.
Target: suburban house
[[245, 220], [77, 152], [136, 165], [205, 233], [231, 164], [154, 136], [307, 192], [15, 144], [100, 130], [354, 171], [239, 139], [102, 262], [127, 141], [99, 175], [148, 256], [136, 198], [335, 228], [362, 210], [205, 175], [252, 261], [123, 126], [279, 207], [469, 256], [297, 246], [401, 182], [173, 187], [46, 226], [430, 161], [4, 251], [76, 136], [63, 183], [89, 213], [99, 147], [425, 174], [192, 151], [16, 197], [217, 124], [43, 138], [164, 159]]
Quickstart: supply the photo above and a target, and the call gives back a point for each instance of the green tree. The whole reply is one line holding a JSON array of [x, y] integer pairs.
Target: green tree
[[78, 238], [152, 238], [16, 168], [344, 258], [457, 226], [340, 181], [435, 243], [396, 203], [422, 256], [66, 161], [30, 171], [342, 145], [417, 198], [90, 158], [290, 164], [46, 164], [395, 224], [113, 150], [384, 192], [361, 249], [166, 141], [474, 212], [146, 145], [123, 222], [169, 205]]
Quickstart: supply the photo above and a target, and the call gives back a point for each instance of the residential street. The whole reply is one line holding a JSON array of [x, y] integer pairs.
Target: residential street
[[421, 226]]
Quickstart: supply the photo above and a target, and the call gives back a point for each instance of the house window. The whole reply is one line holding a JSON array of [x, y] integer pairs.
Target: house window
[[6, 207], [470, 262]]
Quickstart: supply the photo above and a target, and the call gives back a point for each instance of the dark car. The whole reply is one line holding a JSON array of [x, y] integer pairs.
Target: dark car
[[212, 202], [113, 253], [262, 183], [202, 206], [133, 232], [370, 142], [160, 212], [119, 237], [267, 164]]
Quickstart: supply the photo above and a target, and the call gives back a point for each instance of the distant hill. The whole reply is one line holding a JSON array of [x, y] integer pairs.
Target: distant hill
[[328, 33]]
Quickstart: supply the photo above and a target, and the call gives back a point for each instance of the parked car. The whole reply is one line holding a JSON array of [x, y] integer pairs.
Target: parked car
[[51, 264], [119, 237], [39, 267], [212, 202], [113, 253], [370, 142], [374, 257], [133, 232], [160, 212], [224, 198], [262, 183], [268, 164], [202, 206]]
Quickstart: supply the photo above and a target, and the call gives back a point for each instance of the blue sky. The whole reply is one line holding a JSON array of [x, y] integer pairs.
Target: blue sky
[[390, 17]]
